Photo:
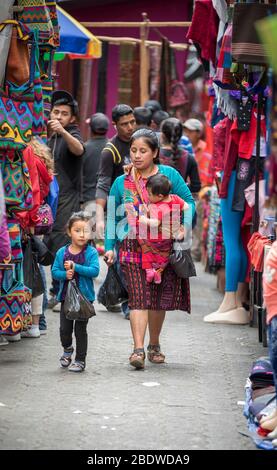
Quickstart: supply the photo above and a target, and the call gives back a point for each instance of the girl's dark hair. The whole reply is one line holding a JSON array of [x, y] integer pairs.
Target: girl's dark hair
[[172, 130], [76, 217], [159, 184], [150, 138]]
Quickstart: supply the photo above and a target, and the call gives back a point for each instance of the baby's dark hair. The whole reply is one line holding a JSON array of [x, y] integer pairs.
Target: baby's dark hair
[[76, 217], [159, 184]]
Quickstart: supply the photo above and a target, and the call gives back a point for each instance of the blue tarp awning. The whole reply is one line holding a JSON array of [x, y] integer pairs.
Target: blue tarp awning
[[75, 38]]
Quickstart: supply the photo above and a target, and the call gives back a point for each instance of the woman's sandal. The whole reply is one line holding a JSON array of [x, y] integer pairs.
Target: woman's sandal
[[137, 358], [154, 354]]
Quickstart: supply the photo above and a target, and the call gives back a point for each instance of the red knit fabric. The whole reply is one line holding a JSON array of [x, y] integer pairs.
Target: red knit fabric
[[246, 139], [256, 249], [204, 28]]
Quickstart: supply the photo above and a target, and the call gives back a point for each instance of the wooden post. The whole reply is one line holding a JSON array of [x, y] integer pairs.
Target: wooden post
[[144, 61]]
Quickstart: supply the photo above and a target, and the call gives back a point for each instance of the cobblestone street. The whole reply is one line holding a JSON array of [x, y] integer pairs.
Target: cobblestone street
[[191, 402]]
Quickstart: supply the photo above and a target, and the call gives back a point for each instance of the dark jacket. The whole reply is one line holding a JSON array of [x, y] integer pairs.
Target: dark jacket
[[111, 166], [91, 161]]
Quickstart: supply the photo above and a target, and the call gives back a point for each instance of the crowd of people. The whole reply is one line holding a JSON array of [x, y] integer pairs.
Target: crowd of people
[[129, 198]]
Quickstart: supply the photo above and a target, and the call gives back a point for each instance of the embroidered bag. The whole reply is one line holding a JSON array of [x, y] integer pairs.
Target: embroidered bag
[[46, 221], [16, 121], [36, 16], [15, 238], [12, 299], [178, 95], [52, 8], [31, 91], [16, 182]]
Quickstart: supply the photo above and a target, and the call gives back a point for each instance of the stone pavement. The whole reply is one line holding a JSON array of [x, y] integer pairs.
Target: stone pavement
[[191, 402]]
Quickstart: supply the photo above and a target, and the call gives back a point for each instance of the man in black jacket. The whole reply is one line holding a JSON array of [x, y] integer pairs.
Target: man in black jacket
[[114, 156], [67, 148]]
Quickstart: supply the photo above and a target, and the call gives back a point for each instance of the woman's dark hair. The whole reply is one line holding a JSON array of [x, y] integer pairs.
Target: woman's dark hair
[[76, 217], [150, 138], [121, 110], [172, 130], [159, 184]]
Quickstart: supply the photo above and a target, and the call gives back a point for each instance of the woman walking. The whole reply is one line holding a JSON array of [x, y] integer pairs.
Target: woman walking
[[148, 302], [171, 153]]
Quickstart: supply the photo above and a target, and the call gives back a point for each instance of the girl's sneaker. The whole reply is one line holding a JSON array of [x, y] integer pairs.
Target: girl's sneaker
[[77, 366], [65, 359]]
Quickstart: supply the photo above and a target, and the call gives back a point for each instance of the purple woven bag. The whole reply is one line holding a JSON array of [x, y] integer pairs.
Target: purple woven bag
[[46, 221]]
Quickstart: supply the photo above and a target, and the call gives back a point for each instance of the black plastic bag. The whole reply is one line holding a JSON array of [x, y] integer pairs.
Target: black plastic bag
[[182, 262], [76, 306], [31, 272], [112, 291]]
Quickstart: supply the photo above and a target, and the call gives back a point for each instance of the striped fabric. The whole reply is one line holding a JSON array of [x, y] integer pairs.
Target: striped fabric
[[246, 45]]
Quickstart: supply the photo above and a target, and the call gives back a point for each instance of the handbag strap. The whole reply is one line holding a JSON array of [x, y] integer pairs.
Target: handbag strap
[[23, 36]]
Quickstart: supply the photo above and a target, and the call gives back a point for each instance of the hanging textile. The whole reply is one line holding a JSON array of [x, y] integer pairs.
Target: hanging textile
[[154, 72], [165, 74], [102, 79], [127, 55], [204, 29], [135, 100], [246, 45]]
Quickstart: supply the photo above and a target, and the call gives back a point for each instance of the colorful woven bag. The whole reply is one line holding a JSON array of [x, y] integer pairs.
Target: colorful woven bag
[[16, 122], [15, 239], [16, 182], [31, 91], [12, 299], [36, 16], [52, 7]]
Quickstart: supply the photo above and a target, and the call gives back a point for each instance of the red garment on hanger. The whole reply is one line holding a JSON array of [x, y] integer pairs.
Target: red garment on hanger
[[204, 28], [246, 139], [225, 153], [40, 180]]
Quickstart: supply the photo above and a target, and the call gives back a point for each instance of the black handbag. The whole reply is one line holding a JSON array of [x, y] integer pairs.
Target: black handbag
[[31, 273], [76, 306], [182, 262]]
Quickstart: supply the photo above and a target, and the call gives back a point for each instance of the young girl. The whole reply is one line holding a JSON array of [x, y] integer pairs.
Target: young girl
[[77, 261], [165, 215]]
